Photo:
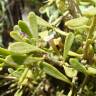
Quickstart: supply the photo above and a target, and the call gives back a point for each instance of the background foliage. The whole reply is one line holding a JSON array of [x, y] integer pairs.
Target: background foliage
[[52, 52]]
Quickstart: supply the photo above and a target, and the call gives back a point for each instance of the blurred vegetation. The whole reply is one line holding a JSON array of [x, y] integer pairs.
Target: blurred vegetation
[[53, 53]]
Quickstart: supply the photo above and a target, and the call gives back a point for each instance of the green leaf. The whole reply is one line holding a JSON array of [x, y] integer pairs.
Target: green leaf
[[33, 24], [52, 71], [16, 28], [15, 59], [42, 22], [17, 72], [77, 65], [77, 23], [91, 71], [24, 28], [22, 48], [68, 43], [16, 36], [70, 72], [73, 54]]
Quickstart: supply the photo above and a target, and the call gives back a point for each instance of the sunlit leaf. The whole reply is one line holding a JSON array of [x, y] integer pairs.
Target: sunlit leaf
[[33, 24], [16, 28], [77, 23]]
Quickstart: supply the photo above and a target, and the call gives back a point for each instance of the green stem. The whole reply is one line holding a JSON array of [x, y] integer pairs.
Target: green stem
[[4, 52], [60, 31]]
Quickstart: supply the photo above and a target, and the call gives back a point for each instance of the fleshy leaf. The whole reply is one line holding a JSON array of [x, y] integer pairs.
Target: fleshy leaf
[[4, 52], [77, 65], [22, 48], [16, 28], [33, 24], [68, 43], [24, 28], [16, 36], [70, 72], [91, 71], [42, 22], [15, 60], [52, 71], [77, 23]]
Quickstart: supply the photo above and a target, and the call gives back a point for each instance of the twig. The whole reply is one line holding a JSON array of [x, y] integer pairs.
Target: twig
[[72, 91], [82, 86]]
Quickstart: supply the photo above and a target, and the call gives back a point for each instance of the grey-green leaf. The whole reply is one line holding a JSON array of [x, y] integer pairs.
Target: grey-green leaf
[[68, 43], [77, 65], [33, 24], [52, 71]]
